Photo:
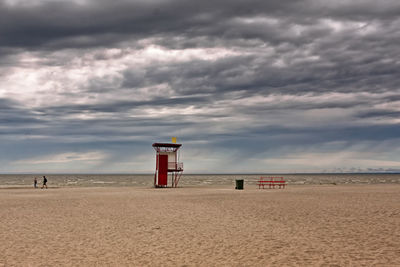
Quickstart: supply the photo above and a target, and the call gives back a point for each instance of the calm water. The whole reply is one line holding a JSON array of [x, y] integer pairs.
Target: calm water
[[87, 180]]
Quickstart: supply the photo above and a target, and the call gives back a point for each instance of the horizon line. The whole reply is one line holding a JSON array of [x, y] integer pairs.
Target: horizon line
[[211, 173]]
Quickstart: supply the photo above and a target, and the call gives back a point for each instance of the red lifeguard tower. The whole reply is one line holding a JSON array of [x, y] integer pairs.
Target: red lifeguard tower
[[167, 162]]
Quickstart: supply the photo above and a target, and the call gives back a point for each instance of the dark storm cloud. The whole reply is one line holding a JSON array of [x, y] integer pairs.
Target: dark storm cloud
[[380, 113], [12, 113], [100, 22], [254, 74], [284, 74], [103, 22], [122, 106], [295, 31]]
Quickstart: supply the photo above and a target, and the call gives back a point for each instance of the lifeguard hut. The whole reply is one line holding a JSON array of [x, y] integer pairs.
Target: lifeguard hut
[[167, 161]]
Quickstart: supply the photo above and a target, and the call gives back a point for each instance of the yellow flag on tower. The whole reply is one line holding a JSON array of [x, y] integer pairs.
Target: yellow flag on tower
[[174, 140]]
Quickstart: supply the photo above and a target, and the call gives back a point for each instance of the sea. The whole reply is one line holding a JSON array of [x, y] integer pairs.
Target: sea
[[193, 180]]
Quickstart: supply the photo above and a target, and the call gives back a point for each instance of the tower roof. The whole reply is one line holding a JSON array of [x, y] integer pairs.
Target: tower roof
[[167, 145]]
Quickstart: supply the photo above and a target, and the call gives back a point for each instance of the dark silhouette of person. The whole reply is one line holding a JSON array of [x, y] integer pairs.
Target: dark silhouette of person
[[44, 182], [35, 183]]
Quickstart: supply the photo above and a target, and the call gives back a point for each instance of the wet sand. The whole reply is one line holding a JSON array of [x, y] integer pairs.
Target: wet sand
[[300, 225]]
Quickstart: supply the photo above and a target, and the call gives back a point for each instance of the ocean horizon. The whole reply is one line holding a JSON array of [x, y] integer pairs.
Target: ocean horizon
[[146, 180]]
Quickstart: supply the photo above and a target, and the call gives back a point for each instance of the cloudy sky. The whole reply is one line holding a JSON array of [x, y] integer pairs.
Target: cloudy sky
[[246, 86]]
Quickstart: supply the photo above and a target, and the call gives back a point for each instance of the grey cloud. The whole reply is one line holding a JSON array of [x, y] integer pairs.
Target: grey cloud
[[379, 113], [12, 113], [121, 106], [104, 23], [345, 61], [255, 74], [286, 48]]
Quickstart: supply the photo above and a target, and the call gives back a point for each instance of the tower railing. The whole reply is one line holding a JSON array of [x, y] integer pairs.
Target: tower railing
[[177, 166]]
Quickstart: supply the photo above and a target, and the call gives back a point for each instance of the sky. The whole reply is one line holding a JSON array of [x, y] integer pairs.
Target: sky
[[87, 86]]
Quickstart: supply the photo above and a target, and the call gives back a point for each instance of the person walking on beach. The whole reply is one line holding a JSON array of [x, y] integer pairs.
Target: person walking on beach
[[35, 183], [44, 182]]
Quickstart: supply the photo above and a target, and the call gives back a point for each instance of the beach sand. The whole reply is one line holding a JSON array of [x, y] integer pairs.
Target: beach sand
[[212, 226]]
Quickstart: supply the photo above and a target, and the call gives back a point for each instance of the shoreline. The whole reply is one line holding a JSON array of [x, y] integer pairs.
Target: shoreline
[[194, 188]]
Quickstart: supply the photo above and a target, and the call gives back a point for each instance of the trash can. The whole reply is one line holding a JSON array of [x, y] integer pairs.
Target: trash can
[[239, 184]]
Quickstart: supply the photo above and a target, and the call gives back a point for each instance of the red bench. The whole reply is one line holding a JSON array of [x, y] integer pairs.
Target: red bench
[[271, 182]]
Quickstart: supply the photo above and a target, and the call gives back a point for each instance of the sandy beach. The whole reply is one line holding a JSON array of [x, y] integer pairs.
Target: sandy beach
[[344, 225]]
